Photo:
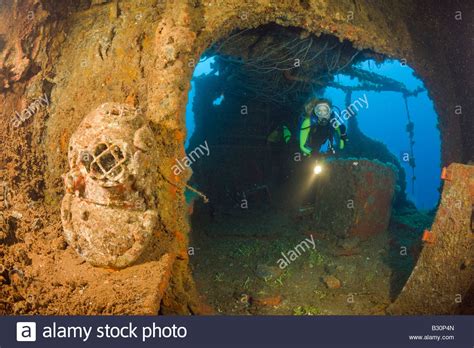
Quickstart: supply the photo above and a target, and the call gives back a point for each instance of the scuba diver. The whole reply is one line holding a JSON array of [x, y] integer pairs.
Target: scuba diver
[[317, 126]]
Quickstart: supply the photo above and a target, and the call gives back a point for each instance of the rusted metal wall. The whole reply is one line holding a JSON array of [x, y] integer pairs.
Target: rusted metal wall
[[445, 270]]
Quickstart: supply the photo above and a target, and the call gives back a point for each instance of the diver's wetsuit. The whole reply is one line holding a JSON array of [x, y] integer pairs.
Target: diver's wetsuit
[[313, 135], [319, 135]]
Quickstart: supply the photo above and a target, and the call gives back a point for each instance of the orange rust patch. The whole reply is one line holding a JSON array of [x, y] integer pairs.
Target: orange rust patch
[[111, 270], [428, 237], [172, 190], [179, 135], [270, 301], [471, 189], [183, 254], [205, 309], [131, 100], [64, 140], [444, 173], [180, 236], [164, 284]]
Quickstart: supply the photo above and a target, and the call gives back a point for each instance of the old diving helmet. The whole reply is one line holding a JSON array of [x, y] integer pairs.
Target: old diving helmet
[[109, 211]]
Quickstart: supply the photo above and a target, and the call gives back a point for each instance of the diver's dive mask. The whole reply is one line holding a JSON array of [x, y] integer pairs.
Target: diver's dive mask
[[323, 112]]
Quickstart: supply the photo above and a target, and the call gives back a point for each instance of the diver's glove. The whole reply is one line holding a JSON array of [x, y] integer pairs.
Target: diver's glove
[[343, 141], [307, 151]]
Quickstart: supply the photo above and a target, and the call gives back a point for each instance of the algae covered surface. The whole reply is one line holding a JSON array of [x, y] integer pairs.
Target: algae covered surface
[[236, 262]]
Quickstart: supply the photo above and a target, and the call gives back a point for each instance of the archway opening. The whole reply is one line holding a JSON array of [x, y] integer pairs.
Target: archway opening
[[334, 231]]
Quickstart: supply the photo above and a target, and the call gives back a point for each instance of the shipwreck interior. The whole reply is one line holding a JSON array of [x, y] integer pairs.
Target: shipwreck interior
[[245, 88], [128, 185]]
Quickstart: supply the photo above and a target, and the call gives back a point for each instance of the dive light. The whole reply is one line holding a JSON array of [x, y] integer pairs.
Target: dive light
[[318, 168]]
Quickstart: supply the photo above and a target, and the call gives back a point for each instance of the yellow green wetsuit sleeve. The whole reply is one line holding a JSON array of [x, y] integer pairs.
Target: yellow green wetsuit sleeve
[[341, 142], [305, 128]]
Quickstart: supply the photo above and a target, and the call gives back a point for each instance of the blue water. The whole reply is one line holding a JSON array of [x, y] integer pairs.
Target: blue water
[[385, 120], [202, 68]]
